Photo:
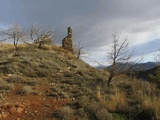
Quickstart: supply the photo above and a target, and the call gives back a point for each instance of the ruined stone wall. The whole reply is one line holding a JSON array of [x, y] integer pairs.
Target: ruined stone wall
[[67, 42]]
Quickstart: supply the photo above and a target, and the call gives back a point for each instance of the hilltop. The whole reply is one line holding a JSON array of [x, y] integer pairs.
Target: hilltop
[[51, 83], [49, 78]]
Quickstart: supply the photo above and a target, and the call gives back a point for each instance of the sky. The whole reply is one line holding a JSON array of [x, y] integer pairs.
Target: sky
[[93, 22]]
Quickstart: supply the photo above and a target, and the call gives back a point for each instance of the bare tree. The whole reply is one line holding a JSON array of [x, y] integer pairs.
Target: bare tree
[[80, 50], [40, 36], [157, 57], [14, 33], [120, 58]]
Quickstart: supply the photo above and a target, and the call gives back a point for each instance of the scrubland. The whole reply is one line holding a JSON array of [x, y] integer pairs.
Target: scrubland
[[51, 83]]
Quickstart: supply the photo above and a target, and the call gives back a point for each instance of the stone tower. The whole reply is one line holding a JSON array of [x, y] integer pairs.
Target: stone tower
[[67, 42]]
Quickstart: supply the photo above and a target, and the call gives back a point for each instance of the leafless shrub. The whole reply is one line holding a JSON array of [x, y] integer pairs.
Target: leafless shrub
[[120, 58], [80, 50], [40, 36], [14, 34]]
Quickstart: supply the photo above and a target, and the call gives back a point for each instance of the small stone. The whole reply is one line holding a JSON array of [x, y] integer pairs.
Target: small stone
[[36, 111], [10, 106], [21, 105], [20, 110], [9, 75], [47, 105], [4, 114], [31, 114], [13, 110], [73, 99], [69, 68], [26, 104], [16, 104], [5, 106]]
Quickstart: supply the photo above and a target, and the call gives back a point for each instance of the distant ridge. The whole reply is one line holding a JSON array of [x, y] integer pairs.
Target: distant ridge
[[147, 65], [137, 67], [145, 74]]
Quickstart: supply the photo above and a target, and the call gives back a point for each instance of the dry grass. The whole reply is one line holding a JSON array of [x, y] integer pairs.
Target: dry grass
[[6, 47], [10, 47], [5, 86], [47, 47], [64, 51], [25, 90], [74, 78], [151, 103], [126, 93], [59, 49], [117, 102], [16, 79]]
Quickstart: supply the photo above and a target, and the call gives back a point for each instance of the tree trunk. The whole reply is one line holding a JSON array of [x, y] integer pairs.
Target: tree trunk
[[109, 80], [15, 45], [39, 45]]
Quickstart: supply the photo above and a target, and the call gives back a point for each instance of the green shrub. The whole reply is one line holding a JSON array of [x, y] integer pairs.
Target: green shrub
[[81, 114], [118, 117], [155, 78], [103, 114], [58, 114], [25, 90], [94, 110], [64, 113], [98, 112], [30, 83], [16, 79], [4, 86]]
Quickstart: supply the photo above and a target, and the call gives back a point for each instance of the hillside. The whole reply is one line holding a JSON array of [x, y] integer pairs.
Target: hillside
[[138, 66], [51, 83], [145, 73], [50, 77]]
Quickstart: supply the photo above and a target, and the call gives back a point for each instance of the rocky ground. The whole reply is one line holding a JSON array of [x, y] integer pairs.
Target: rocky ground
[[30, 107]]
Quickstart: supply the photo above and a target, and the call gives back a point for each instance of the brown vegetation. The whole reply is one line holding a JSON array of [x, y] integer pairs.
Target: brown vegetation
[[51, 83]]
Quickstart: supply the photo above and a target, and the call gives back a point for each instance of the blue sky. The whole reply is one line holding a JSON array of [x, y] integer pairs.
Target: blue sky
[[93, 22]]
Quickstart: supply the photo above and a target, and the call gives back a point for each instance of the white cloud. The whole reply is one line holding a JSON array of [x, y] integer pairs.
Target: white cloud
[[153, 56], [138, 21], [93, 21]]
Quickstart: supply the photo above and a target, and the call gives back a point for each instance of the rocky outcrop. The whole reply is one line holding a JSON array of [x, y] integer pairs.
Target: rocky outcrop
[[67, 42]]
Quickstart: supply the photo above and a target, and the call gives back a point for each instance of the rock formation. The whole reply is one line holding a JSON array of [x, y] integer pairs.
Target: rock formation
[[67, 42]]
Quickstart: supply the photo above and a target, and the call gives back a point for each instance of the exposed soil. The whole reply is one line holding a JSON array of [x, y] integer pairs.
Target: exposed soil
[[30, 107]]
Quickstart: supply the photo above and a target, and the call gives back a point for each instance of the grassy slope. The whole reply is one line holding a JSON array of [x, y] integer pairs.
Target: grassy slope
[[70, 88]]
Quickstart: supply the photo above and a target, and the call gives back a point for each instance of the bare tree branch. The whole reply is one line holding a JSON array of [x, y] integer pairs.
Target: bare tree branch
[[80, 50], [39, 36], [120, 58], [14, 33]]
